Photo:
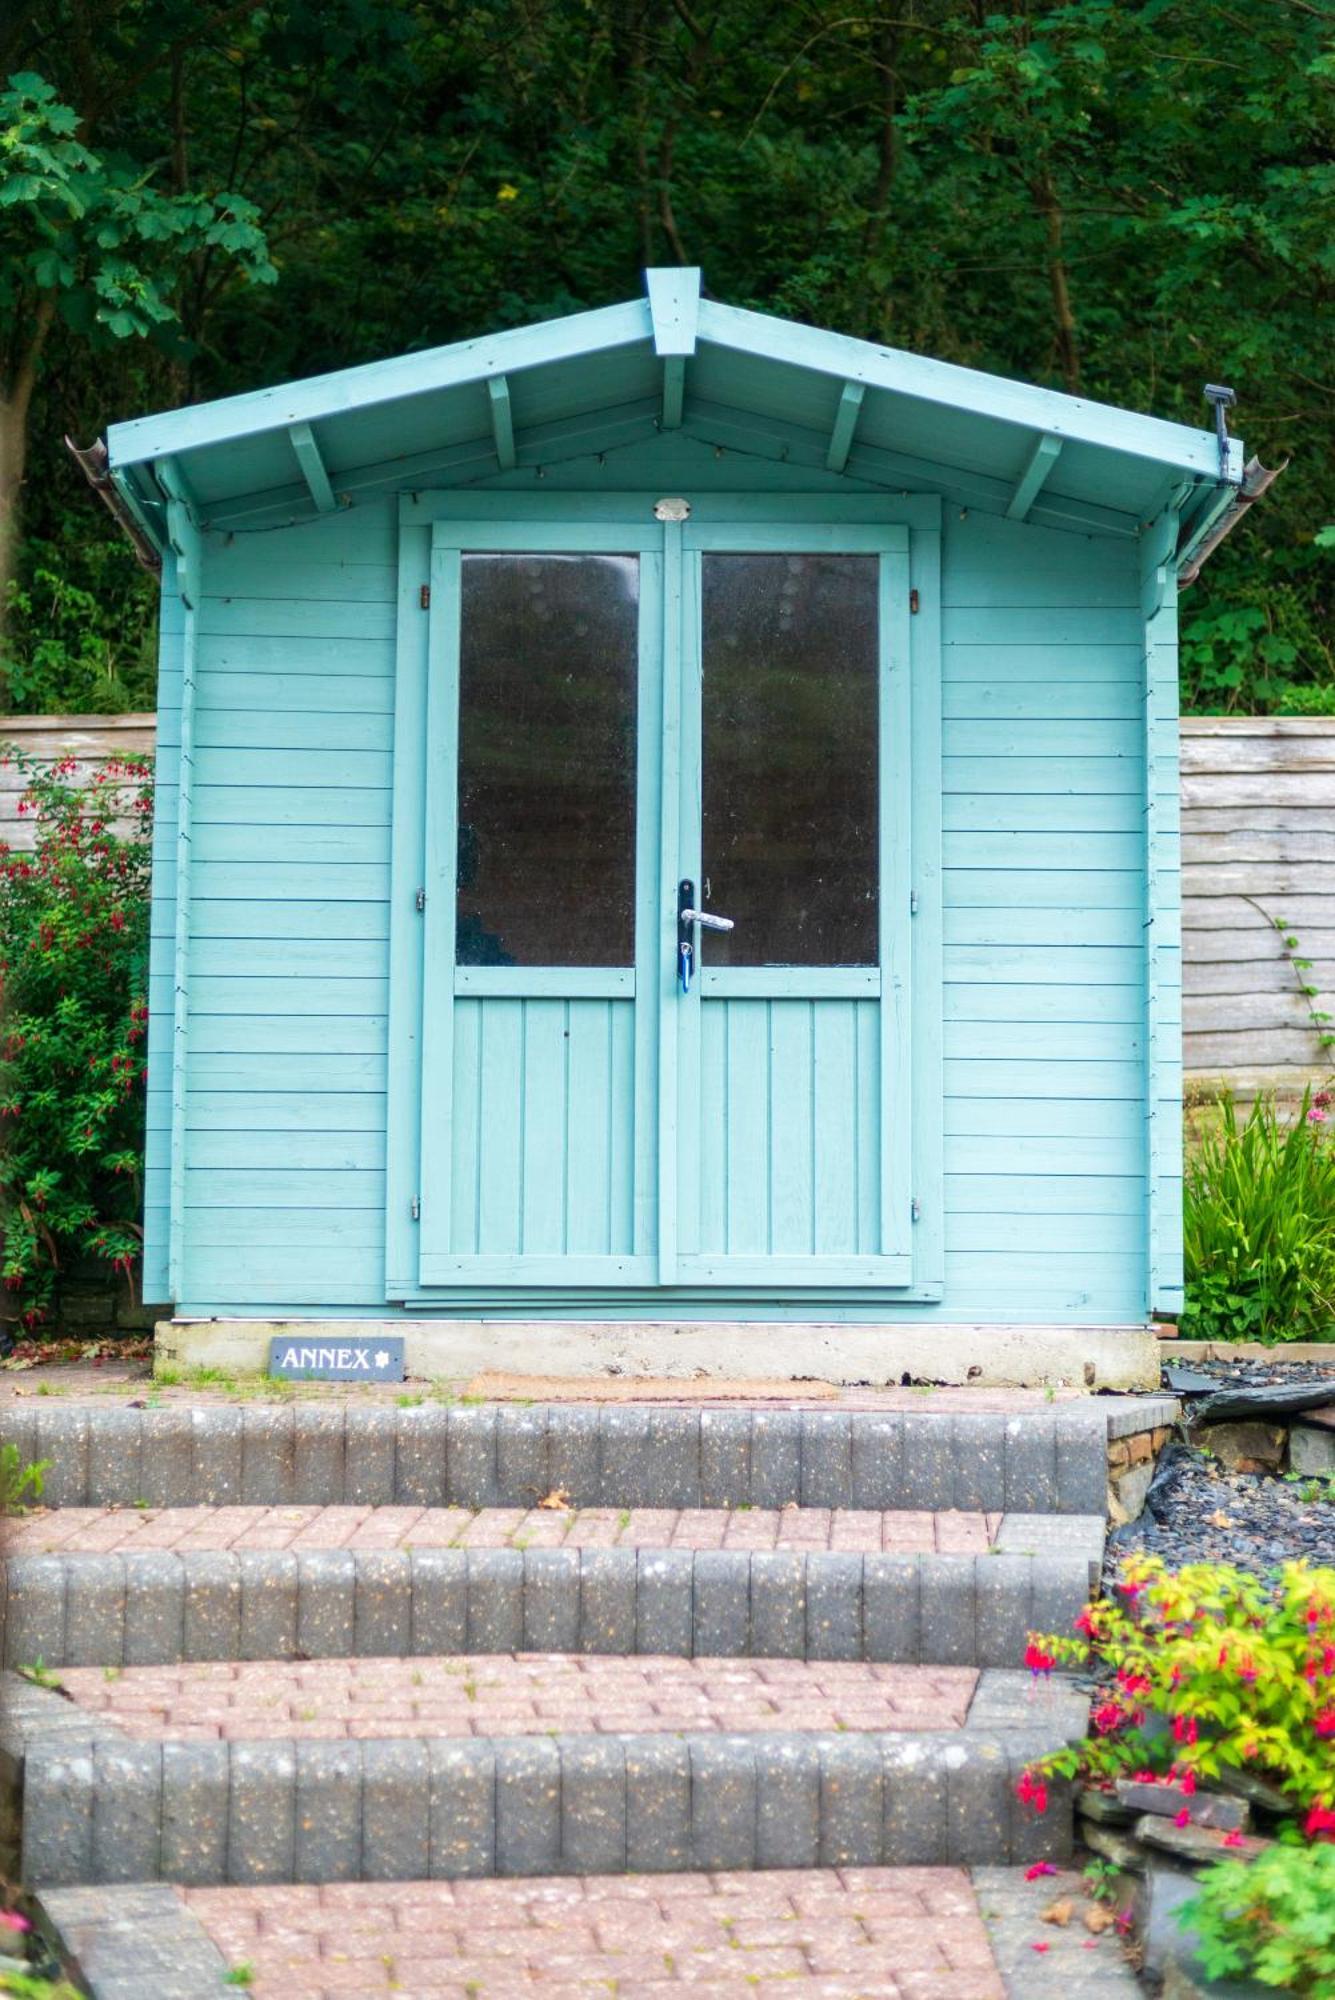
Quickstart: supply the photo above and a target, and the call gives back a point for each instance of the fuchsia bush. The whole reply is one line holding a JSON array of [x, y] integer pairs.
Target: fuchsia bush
[[74, 965], [1210, 1669]]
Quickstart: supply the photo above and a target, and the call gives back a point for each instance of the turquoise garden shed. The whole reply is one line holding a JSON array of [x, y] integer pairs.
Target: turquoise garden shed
[[664, 815]]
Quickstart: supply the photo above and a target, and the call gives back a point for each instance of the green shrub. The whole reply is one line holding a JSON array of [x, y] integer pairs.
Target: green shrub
[[1271, 1919], [1241, 1670], [1259, 1226], [20, 1483], [1315, 699], [74, 961]]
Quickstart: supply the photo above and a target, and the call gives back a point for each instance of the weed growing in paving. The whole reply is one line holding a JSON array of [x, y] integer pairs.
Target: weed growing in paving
[[1271, 1919], [20, 1485]]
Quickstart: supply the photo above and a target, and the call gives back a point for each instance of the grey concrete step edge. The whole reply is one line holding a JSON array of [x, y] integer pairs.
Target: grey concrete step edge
[[156, 1608], [99, 1806], [1050, 1461]]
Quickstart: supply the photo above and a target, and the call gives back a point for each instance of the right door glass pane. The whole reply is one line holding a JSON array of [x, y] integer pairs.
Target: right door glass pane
[[791, 758]]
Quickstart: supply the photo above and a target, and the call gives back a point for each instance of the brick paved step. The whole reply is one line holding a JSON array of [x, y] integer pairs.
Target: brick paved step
[[321, 1453], [152, 1606], [845, 1934], [99, 1805]]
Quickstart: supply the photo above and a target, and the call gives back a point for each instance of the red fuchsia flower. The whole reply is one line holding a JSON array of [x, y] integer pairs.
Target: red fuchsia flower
[[1325, 1722], [1132, 1683], [1182, 1818], [1233, 1838], [1037, 1661], [10, 1920], [1087, 1623], [1108, 1717], [1188, 1784], [1131, 1589], [1042, 1945], [1032, 1791], [1320, 1823], [1039, 1868], [1184, 1729]]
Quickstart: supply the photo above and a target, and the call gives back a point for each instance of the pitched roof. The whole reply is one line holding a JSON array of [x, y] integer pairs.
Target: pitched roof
[[598, 380]]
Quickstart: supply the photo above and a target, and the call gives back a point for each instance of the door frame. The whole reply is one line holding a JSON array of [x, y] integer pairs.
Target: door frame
[[520, 519]]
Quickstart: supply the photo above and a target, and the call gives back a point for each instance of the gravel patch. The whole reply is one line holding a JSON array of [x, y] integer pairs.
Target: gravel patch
[[1198, 1512]]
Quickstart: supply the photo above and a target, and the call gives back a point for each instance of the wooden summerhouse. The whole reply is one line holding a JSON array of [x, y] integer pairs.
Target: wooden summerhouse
[[667, 815]]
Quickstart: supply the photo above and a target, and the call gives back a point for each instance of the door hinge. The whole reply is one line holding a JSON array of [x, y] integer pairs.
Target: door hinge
[[913, 902], [914, 601], [417, 1208], [421, 901], [915, 1209], [424, 597]]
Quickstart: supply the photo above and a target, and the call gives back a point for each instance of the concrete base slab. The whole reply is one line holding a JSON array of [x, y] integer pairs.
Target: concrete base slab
[[998, 1356]]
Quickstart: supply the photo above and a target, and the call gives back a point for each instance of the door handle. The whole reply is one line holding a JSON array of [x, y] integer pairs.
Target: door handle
[[688, 917]]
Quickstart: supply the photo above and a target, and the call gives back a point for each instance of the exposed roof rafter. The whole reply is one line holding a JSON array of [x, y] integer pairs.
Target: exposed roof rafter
[[1031, 481], [845, 423], [502, 421], [308, 457]]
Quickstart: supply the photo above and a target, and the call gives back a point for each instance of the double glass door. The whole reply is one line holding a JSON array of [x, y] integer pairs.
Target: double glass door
[[665, 1033]]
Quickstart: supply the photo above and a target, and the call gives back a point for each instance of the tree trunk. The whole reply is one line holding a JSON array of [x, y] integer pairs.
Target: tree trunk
[[1065, 337], [15, 402]]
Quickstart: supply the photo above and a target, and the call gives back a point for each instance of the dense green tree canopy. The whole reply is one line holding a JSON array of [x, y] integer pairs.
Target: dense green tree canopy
[[1128, 197]]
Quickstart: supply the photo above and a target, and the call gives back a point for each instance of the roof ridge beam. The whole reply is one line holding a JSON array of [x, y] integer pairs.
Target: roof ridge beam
[[1031, 481], [845, 423], [311, 461], [674, 313], [502, 421]]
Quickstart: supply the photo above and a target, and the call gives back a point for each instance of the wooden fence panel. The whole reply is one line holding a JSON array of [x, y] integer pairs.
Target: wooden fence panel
[[1258, 851], [89, 738]]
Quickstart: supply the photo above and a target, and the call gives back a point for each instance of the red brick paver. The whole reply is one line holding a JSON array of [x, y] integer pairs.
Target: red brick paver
[[527, 1694], [847, 1934], [112, 1530]]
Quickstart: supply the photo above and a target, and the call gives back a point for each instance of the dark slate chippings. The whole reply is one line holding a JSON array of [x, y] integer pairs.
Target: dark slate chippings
[[1198, 1512]]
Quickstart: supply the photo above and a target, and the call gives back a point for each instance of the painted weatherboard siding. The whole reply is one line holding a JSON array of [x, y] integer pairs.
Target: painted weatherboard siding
[[1044, 998], [1258, 850]]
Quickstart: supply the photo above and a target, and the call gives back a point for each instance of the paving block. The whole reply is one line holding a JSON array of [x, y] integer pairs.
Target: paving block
[[383, 1615], [369, 1455], [658, 1804], [269, 1603], [127, 1810], [522, 1476], [115, 1466], [852, 1807], [268, 1456], [722, 1614], [327, 1586], [328, 1827], [528, 1806], [593, 1805], [440, 1601], [979, 1445], [154, 1609], [674, 1458], [625, 1448], [877, 1459], [318, 1454], [1037, 1836], [196, 1784], [607, 1601], [915, 1776], [261, 1816], [127, 1944], [723, 1801], [1080, 1444], [462, 1782], [779, 1604], [776, 1458], [725, 1458], [948, 1631], [58, 1791], [892, 1608], [62, 1437], [927, 1459], [216, 1444], [1031, 1465], [1003, 1608], [95, 1612], [471, 1456], [788, 1802], [551, 1600], [827, 1458], [978, 1800], [422, 1447], [35, 1610], [396, 1811], [834, 1607], [1060, 1590], [573, 1455], [211, 1612], [495, 1600], [664, 1601], [167, 1455]]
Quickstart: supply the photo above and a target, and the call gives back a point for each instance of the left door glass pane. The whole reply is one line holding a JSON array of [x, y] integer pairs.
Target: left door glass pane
[[549, 648]]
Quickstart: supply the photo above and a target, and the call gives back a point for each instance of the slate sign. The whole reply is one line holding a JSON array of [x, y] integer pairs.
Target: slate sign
[[326, 1360]]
